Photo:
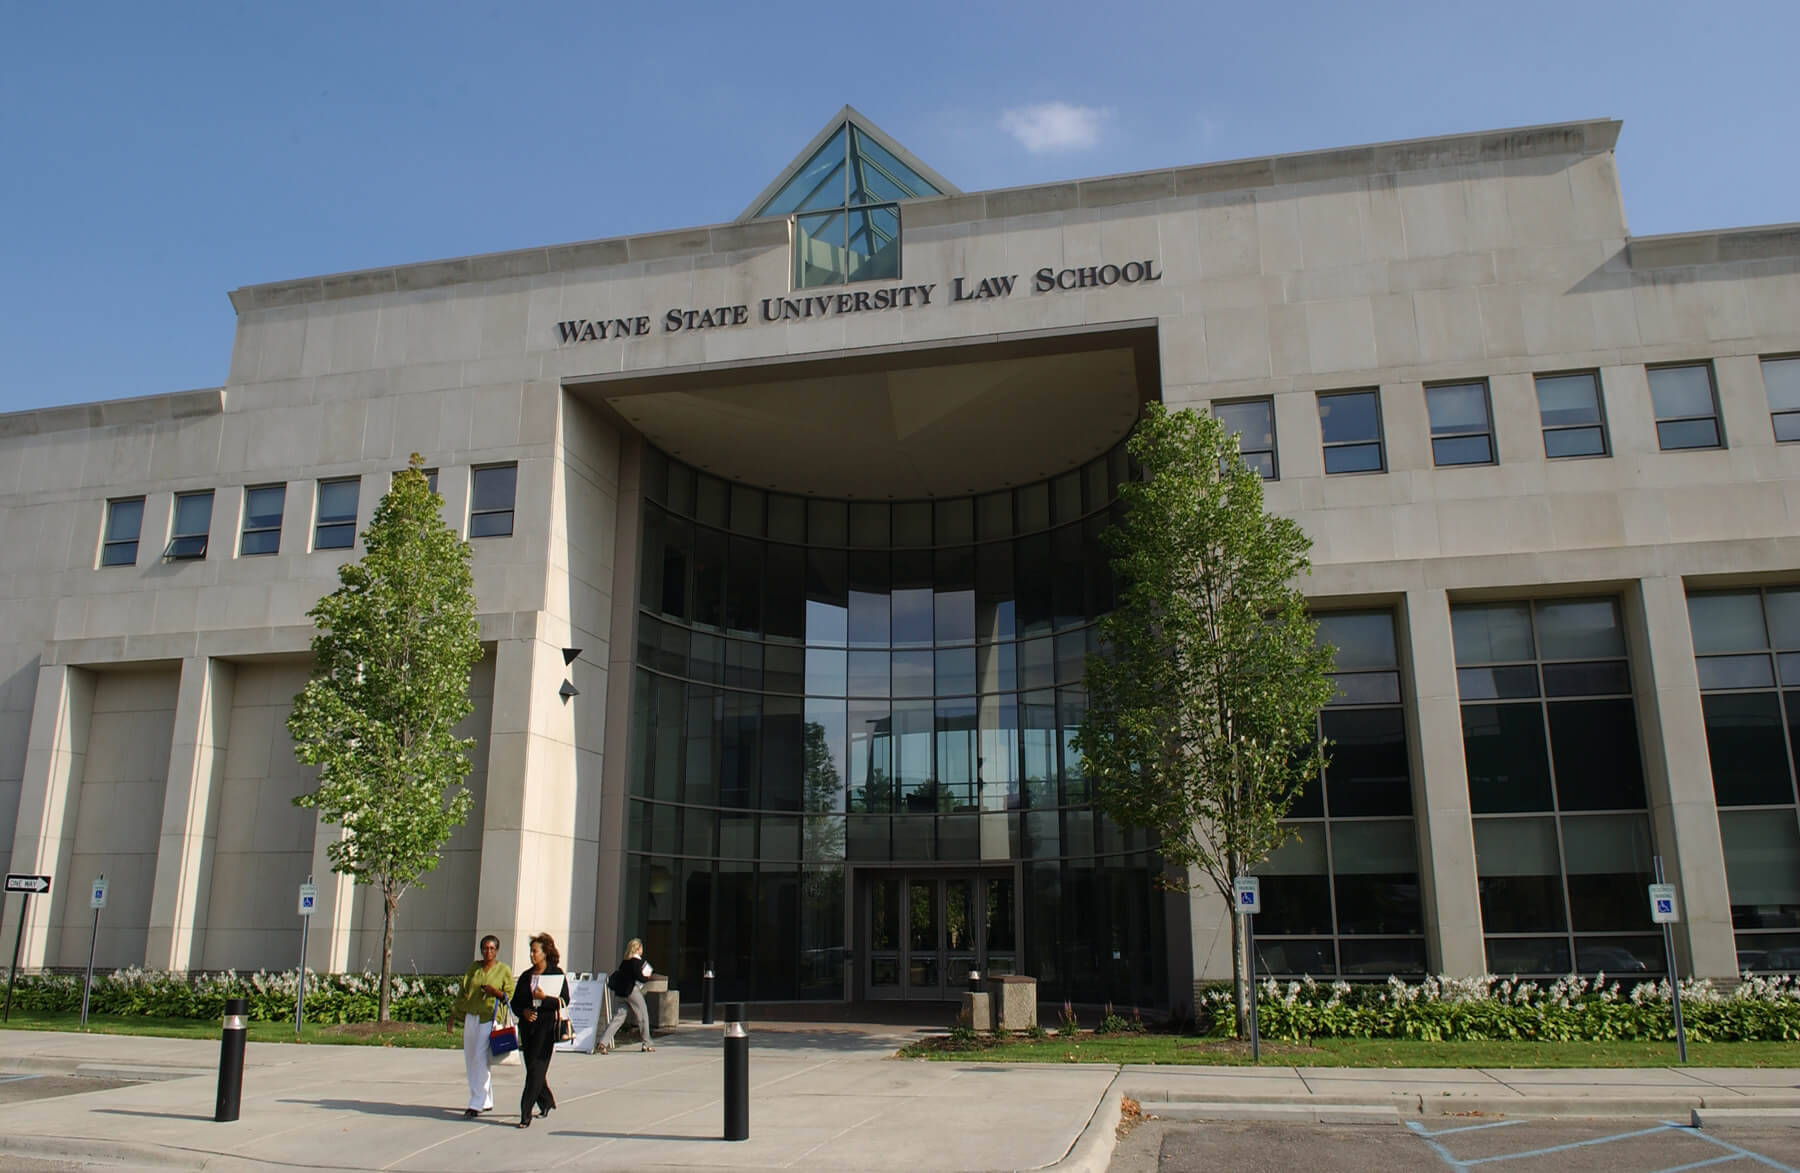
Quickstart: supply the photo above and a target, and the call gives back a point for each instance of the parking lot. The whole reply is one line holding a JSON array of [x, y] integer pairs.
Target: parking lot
[[1622, 1145]]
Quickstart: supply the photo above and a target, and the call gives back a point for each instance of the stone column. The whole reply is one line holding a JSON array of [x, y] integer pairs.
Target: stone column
[[190, 816], [1684, 820], [615, 762], [1446, 835], [328, 938], [528, 840], [49, 801]]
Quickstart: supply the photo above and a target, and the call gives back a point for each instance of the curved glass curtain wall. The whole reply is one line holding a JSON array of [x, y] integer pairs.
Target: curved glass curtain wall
[[825, 683]]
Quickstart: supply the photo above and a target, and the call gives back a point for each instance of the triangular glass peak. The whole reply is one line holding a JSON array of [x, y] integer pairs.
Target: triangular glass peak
[[855, 164]]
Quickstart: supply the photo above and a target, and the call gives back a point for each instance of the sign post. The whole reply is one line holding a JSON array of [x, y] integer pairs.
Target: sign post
[[1246, 894], [26, 886], [1665, 912], [584, 1013], [96, 901], [309, 902]]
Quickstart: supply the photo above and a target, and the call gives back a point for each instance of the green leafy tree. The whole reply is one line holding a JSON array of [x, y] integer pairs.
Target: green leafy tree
[[1202, 718], [390, 681]]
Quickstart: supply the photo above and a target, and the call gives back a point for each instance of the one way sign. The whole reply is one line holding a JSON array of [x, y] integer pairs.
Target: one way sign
[[20, 882]]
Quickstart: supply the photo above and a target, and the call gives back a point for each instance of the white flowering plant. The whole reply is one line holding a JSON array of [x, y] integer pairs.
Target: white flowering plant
[[330, 997], [1568, 1009]]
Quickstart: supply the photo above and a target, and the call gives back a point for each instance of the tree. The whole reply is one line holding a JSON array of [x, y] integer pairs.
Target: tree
[[390, 681], [1202, 718]]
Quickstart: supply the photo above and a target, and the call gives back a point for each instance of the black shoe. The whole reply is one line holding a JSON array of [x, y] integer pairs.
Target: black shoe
[[545, 1111], [525, 1123], [470, 1113]]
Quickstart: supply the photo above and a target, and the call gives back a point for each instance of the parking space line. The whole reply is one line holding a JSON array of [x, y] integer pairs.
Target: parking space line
[[1575, 1144], [1443, 1153], [1738, 1152], [27, 1075], [1467, 1128], [1701, 1164]]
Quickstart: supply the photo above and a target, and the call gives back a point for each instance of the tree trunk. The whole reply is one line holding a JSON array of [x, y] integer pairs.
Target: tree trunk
[[387, 953]]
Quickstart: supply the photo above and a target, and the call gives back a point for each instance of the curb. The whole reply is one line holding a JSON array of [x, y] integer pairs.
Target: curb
[[1293, 1113], [100, 1069], [84, 1149], [1719, 1117], [1777, 1106], [1093, 1150]]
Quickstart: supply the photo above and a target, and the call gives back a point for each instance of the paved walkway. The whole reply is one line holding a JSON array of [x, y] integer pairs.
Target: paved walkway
[[822, 1097]]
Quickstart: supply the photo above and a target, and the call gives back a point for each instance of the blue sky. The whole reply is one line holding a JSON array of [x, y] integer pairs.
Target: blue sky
[[155, 156]]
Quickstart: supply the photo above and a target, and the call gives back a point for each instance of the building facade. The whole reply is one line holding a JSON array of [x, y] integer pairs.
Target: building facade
[[786, 545]]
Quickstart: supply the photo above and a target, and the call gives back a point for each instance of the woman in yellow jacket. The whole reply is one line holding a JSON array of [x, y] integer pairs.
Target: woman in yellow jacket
[[486, 980]]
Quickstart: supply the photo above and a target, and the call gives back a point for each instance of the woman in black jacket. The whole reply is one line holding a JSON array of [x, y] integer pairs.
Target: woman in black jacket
[[538, 1011], [627, 986]]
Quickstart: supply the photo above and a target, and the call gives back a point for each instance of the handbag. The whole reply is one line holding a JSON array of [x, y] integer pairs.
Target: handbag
[[502, 1040]]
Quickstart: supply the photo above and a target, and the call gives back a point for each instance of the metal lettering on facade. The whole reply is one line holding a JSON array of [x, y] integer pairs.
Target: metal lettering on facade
[[802, 306]]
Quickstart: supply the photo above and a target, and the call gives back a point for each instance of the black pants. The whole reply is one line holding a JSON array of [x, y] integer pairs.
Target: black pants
[[537, 1043]]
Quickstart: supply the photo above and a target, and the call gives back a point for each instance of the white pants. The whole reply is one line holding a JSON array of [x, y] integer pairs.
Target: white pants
[[475, 1061]]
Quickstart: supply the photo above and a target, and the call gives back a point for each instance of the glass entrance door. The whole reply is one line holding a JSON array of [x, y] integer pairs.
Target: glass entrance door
[[923, 931]]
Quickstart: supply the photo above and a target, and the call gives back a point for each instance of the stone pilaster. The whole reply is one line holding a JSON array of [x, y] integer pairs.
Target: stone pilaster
[[1441, 789], [1684, 820], [49, 801], [190, 816]]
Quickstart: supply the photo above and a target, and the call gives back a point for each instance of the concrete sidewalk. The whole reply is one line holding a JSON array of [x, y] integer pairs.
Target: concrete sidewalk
[[822, 1097]]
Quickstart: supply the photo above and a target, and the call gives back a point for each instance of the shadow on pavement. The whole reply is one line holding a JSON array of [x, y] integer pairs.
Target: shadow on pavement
[[634, 1136], [378, 1108], [157, 1115]]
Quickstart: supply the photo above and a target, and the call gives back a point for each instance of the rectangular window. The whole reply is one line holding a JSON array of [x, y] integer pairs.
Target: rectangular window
[[1350, 423], [334, 526], [1781, 379], [262, 519], [1462, 429], [430, 478], [187, 532], [1253, 422], [491, 501], [1687, 407], [124, 518], [1569, 409], [1550, 746]]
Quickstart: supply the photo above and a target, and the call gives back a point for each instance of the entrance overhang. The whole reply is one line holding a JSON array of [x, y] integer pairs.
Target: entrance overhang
[[939, 420]]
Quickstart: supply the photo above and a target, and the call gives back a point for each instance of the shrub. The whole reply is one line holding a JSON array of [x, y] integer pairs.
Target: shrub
[[330, 998], [1071, 1026], [1571, 1009]]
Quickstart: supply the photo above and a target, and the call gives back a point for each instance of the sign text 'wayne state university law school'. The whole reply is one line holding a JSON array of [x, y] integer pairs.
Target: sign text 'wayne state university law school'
[[888, 297]]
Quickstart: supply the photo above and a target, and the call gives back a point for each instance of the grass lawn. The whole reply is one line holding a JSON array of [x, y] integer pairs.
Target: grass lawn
[[392, 1034], [1177, 1049]]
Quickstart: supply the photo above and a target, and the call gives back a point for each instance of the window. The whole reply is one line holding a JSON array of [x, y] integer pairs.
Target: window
[[1687, 409], [1781, 378], [1747, 650], [124, 518], [1569, 409], [1345, 890], [1350, 422], [1462, 430], [845, 209], [1253, 422], [491, 502], [1556, 788], [335, 525], [430, 478], [187, 534], [262, 519]]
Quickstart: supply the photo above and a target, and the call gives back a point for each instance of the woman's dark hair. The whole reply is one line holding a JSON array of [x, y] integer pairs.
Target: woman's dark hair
[[551, 953], [490, 937]]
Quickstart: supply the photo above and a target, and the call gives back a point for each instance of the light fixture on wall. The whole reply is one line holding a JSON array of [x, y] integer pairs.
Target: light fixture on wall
[[569, 655], [567, 690]]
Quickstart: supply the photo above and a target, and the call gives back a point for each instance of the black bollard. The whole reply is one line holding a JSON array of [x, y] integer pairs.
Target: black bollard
[[737, 1073], [231, 1059], [706, 997]]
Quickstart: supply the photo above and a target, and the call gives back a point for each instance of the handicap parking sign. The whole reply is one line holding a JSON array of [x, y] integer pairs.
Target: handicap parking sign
[[309, 896], [1248, 893], [1662, 904]]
